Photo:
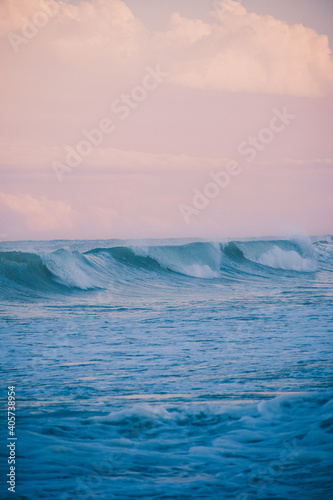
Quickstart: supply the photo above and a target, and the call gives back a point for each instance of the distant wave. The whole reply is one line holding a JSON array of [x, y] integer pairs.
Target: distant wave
[[64, 270]]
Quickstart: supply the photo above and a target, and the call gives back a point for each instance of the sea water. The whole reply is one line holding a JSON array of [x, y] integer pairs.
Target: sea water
[[169, 369]]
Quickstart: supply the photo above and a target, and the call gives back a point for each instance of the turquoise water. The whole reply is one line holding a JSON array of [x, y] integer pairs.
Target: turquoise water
[[169, 369]]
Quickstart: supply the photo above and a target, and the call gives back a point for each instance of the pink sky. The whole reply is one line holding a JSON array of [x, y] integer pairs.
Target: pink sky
[[177, 93]]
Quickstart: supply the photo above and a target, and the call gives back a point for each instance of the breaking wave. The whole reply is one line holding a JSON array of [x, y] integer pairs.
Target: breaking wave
[[64, 270]]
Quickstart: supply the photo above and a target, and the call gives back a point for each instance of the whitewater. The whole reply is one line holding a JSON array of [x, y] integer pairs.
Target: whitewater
[[169, 369]]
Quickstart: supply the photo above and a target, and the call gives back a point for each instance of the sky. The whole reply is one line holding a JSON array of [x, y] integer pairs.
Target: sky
[[178, 118]]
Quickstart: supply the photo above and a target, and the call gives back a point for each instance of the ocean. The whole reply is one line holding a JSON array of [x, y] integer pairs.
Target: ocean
[[169, 369]]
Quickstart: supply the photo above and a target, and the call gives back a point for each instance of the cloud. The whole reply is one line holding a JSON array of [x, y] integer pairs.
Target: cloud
[[105, 30], [247, 52], [100, 29], [186, 31], [237, 51], [123, 204], [25, 158], [39, 214], [64, 77]]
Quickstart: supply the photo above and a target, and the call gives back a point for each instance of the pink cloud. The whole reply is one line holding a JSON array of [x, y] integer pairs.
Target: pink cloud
[[247, 52], [226, 76], [238, 51], [39, 214]]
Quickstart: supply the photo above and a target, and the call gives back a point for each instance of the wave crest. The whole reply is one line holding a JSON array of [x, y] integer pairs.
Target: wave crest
[[197, 260], [288, 260], [64, 270]]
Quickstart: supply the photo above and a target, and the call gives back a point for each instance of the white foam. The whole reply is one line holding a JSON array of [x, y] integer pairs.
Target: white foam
[[141, 410], [197, 262], [196, 271], [286, 259], [69, 270]]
